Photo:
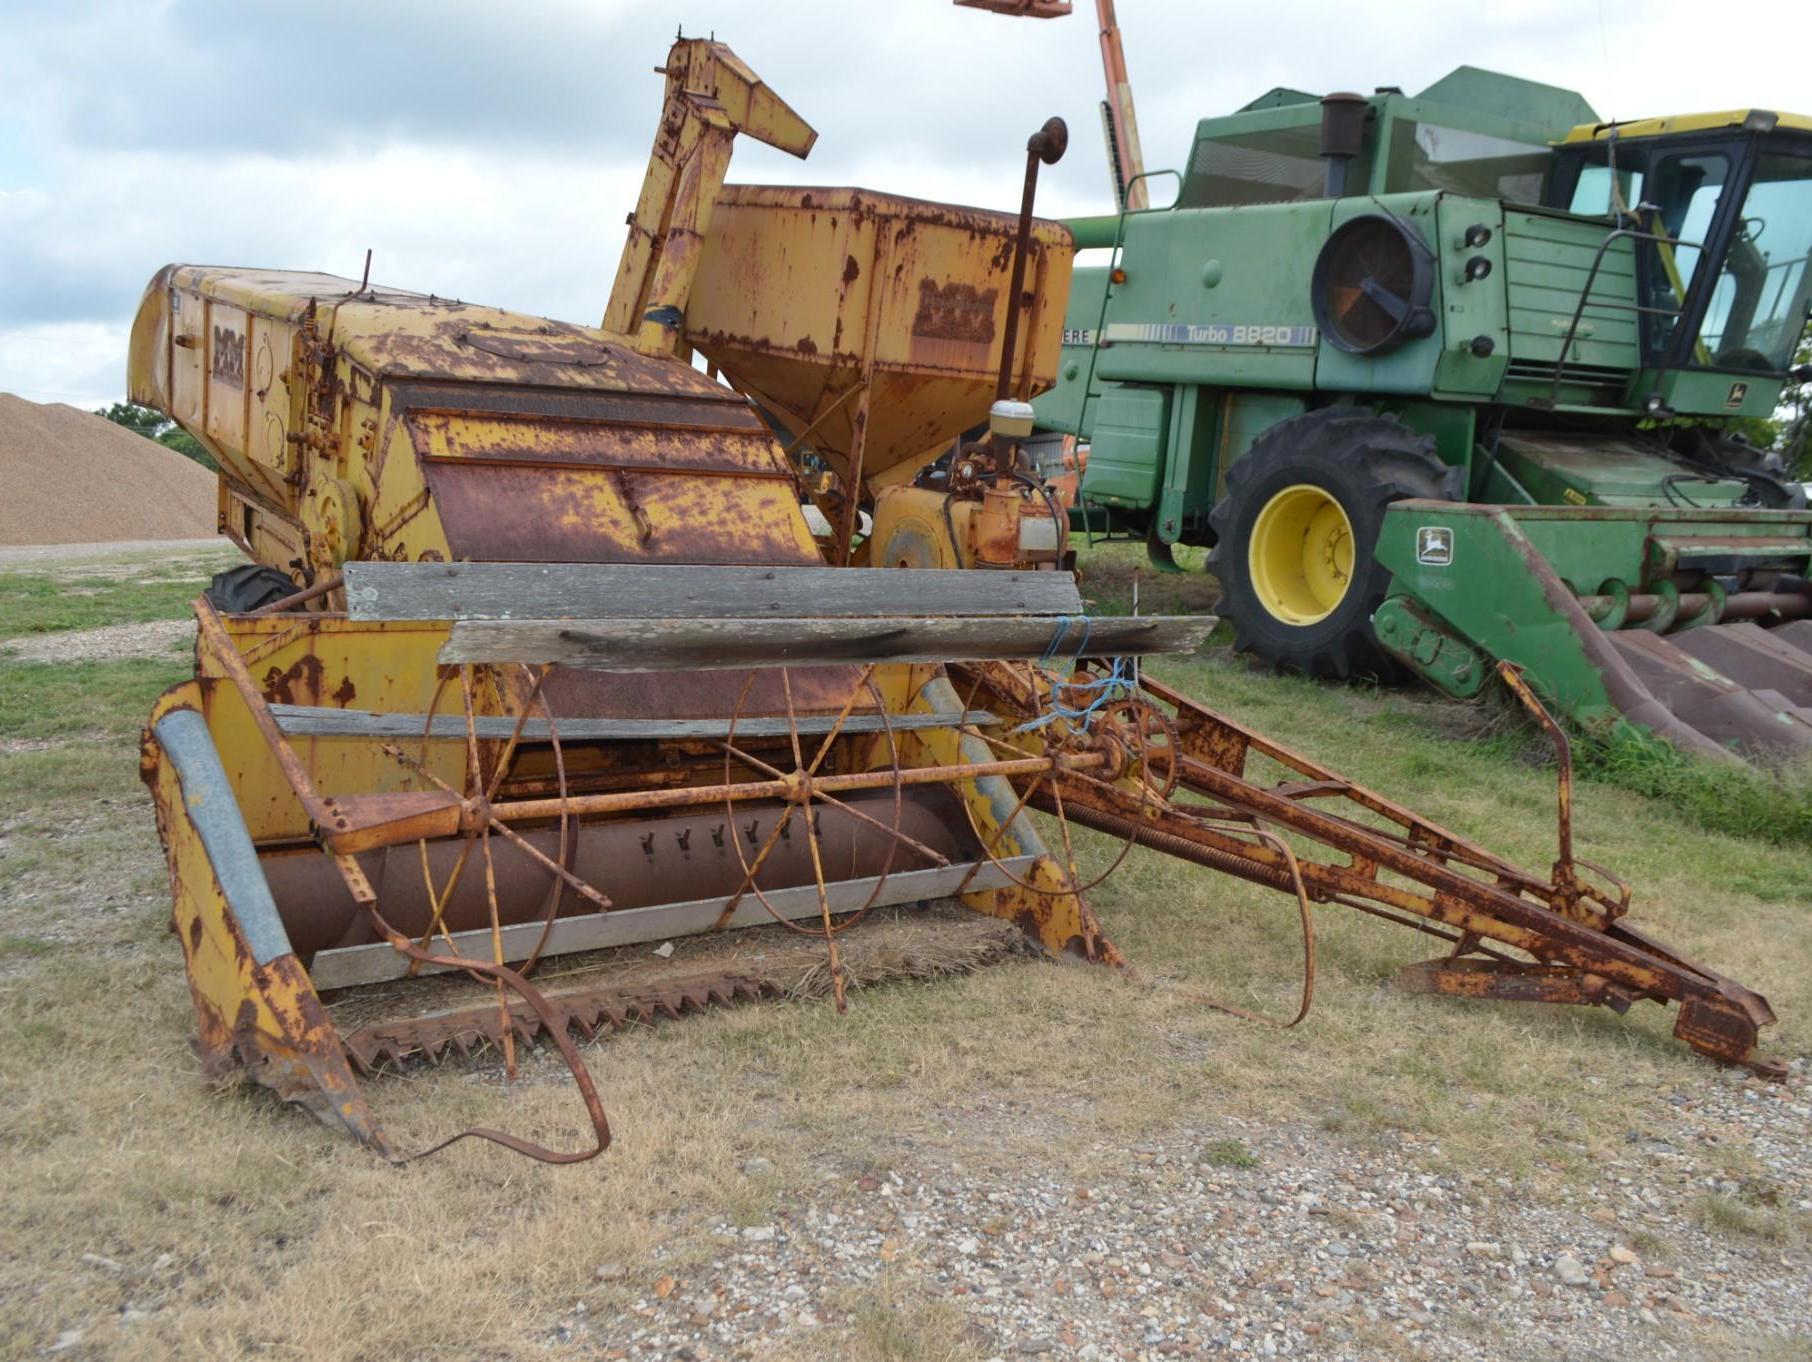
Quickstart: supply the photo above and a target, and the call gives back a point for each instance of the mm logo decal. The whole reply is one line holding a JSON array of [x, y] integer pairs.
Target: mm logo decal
[[229, 356], [1434, 546], [955, 312]]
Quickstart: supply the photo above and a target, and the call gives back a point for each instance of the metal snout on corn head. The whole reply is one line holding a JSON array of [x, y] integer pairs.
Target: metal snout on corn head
[[543, 660]]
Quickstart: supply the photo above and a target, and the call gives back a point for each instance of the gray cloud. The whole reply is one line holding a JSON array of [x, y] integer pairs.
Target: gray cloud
[[490, 150]]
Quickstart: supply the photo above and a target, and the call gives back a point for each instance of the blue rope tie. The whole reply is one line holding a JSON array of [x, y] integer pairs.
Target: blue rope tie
[[1119, 682]]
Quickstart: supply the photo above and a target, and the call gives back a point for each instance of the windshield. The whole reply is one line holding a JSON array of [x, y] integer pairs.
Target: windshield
[[1758, 304], [1758, 298], [1678, 200]]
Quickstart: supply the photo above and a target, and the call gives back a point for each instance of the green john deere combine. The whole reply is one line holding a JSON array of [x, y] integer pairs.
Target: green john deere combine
[[1459, 377]]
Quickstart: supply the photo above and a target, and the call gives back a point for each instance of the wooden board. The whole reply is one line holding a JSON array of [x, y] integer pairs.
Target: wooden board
[[352, 965], [621, 645], [503, 591], [311, 721]]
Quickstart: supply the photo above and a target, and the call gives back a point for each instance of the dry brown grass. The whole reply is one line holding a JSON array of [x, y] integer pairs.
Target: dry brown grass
[[245, 1228]]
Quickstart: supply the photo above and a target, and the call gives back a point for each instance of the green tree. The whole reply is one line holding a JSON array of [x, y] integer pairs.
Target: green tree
[[1796, 405], [187, 445], [154, 425], [146, 421]]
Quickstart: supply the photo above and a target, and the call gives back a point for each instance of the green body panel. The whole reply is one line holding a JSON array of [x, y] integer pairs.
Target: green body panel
[[1252, 328], [1549, 257], [1410, 368], [1191, 444], [1470, 311], [1453, 427], [1189, 492], [1492, 482], [1485, 601], [1608, 472], [1722, 394], [1469, 102], [1415, 633], [1248, 416], [1491, 94], [1129, 446]]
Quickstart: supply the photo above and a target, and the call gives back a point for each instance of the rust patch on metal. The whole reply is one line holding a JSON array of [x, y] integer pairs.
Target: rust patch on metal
[[298, 684]]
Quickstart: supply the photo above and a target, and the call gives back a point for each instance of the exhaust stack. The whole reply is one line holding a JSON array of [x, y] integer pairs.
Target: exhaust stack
[[1343, 116]]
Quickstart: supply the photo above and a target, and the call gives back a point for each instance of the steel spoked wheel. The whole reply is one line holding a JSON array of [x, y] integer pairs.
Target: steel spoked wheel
[[1151, 740], [479, 789], [807, 800]]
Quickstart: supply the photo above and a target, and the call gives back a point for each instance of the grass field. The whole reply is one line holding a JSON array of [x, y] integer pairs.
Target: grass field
[[229, 1221]]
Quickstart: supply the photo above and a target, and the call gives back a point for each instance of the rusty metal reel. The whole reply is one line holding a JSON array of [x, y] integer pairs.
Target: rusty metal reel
[[804, 797]]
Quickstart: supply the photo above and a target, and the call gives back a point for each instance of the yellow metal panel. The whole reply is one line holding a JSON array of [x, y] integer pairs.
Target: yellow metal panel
[[388, 667], [1677, 123], [806, 295], [265, 1016], [185, 353]]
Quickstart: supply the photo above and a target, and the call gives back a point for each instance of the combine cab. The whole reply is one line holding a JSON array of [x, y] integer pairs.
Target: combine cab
[[555, 664], [1443, 384]]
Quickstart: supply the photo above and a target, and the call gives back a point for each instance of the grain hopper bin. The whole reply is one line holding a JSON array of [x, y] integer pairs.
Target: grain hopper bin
[[870, 324]]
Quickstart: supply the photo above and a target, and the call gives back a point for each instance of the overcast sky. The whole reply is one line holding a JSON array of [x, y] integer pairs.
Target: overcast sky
[[489, 149]]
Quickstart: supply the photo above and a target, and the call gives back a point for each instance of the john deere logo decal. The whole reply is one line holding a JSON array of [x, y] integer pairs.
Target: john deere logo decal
[[1434, 546], [1738, 392]]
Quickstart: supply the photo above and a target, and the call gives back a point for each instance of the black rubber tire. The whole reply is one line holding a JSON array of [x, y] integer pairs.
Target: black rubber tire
[[1364, 461], [237, 591]]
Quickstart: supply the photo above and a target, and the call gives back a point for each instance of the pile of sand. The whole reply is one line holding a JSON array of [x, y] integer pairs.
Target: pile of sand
[[69, 477]]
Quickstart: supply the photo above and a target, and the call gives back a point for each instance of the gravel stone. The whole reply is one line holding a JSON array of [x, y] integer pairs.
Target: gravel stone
[[1571, 1271]]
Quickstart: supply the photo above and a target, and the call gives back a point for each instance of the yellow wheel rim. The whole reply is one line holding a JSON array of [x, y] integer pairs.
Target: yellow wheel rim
[[1301, 555]]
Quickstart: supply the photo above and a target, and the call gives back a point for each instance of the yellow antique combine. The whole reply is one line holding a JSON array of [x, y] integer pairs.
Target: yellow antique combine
[[539, 655]]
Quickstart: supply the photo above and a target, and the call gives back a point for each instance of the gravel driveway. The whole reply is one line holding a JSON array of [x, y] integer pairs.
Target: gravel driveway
[[1254, 1240]]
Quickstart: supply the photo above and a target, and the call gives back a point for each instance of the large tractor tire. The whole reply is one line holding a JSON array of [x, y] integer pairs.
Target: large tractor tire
[[249, 587], [1296, 534]]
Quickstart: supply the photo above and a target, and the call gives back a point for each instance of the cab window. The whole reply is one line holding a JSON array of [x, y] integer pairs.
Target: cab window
[[1759, 300]]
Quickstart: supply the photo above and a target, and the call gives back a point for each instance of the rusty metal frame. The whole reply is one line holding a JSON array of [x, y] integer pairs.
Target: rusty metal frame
[[1570, 930]]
